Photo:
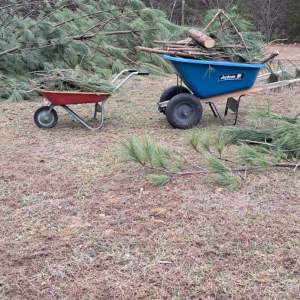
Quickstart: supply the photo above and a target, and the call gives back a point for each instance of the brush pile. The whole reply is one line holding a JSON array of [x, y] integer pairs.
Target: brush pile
[[73, 80], [229, 39]]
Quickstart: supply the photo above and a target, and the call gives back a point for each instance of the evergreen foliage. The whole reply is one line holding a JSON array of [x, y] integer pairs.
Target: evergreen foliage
[[94, 36], [223, 31], [159, 179], [73, 80], [253, 150]]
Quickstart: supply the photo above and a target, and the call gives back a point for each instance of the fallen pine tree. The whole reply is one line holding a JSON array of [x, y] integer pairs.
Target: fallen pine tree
[[99, 37]]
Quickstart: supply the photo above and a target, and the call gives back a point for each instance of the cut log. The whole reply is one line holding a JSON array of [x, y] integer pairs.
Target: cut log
[[269, 57], [202, 38]]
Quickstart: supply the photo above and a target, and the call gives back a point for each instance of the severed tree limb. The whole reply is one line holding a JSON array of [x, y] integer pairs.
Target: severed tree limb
[[96, 48], [90, 36], [83, 16], [269, 57], [236, 31], [121, 32], [257, 143], [103, 24], [296, 167], [286, 165], [82, 37], [9, 51], [212, 20], [171, 48], [190, 54], [187, 42], [232, 46], [171, 53], [274, 42]]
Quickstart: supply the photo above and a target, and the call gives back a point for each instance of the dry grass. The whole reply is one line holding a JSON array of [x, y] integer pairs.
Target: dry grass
[[78, 223]]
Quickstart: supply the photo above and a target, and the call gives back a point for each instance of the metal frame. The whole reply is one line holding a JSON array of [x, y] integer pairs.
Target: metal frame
[[215, 111]]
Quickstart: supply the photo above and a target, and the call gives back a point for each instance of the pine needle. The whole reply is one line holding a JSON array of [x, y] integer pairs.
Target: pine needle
[[214, 165], [250, 157], [132, 151], [230, 181], [192, 138], [236, 133], [159, 180]]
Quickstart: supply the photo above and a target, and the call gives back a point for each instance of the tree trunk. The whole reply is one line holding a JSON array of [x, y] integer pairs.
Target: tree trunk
[[182, 12], [202, 38]]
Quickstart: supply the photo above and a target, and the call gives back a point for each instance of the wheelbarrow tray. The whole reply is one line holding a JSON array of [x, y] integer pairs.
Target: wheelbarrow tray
[[46, 116], [211, 78], [66, 98]]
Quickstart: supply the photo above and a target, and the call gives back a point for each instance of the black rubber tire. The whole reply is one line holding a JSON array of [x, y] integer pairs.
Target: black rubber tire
[[184, 111], [40, 117], [169, 93]]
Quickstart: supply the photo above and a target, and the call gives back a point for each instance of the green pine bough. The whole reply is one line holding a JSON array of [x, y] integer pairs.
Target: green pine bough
[[251, 150], [97, 37]]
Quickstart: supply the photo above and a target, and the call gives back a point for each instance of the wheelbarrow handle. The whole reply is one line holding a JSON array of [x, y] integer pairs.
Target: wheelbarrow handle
[[131, 70], [130, 75]]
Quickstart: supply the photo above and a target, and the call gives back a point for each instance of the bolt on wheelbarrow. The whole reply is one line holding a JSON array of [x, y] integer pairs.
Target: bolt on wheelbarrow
[[46, 116]]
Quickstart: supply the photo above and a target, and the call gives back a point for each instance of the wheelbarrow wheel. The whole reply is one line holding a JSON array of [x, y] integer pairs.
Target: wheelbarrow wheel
[[169, 93], [184, 111], [43, 120]]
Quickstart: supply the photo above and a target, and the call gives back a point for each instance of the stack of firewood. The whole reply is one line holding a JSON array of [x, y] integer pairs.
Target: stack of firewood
[[200, 45]]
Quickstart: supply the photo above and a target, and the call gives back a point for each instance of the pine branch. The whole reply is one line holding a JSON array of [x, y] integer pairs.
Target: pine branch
[[103, 24], [256, 143], [122, 32], [9, 51], [213, 19], [286, 165], [236, 32], [84, 16], [82, 37]]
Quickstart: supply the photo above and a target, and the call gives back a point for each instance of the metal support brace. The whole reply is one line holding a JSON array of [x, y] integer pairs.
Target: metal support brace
[[49, 111], [233, 105], [99, 108], [215, 111], [179, 85], [96, 110]]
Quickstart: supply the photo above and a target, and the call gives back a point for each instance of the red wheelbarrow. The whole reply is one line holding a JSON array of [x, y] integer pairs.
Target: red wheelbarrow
[[46, 116]]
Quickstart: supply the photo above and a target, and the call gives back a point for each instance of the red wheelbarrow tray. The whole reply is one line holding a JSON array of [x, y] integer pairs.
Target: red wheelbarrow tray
[[66, 98]]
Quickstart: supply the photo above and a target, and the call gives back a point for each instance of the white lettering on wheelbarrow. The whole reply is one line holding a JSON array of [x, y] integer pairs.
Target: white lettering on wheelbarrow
[[226, 77]]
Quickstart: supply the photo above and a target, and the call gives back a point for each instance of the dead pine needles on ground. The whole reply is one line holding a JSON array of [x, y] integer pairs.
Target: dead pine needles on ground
[[78, 223]]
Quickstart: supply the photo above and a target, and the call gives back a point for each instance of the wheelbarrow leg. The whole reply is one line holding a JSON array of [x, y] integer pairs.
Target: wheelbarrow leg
[[233, 105], [97, 108], [49, 111], [72, 113], [215, 111]]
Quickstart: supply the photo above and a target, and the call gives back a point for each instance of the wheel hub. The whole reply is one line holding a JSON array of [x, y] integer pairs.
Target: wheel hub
[[45, 118], [184, 111]]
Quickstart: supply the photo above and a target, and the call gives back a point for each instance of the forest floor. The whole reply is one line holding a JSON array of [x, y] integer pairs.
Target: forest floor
[[76, 222]]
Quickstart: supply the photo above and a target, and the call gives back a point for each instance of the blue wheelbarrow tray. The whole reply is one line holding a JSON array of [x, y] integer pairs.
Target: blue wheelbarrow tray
[[212, 78]]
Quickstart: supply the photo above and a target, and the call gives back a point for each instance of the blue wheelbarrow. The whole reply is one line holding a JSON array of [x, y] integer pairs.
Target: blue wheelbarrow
[[206, 82]]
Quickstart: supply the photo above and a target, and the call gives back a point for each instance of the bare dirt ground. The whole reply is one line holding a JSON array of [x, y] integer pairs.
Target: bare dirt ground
[[79, 223]]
